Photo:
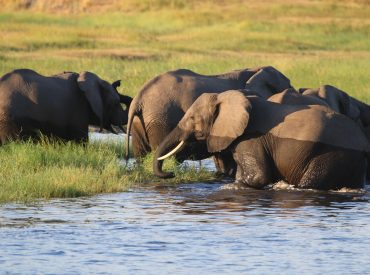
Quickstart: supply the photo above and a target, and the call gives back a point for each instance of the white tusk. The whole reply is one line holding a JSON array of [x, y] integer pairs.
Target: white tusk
[[172, 152]]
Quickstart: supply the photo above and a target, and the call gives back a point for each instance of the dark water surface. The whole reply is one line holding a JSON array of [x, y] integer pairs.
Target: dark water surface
[[200, 228]]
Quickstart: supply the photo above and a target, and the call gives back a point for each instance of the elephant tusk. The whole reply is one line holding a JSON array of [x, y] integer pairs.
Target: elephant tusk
[[172, 152]]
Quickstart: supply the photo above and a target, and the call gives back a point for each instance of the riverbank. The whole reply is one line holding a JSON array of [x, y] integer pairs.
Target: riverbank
[[53, 169]]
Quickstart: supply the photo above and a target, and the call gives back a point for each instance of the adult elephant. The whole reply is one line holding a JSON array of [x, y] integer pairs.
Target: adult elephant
[[162, 102], [330, 96], [341, 102], [293, 97], [309, 146], [333, 98], [61, 105]]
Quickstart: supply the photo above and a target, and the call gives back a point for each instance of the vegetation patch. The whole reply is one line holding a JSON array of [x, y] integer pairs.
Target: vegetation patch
[[55, 169]]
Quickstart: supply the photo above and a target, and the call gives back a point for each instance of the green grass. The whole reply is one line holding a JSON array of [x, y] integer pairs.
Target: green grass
[[312, 42], [53, 169]]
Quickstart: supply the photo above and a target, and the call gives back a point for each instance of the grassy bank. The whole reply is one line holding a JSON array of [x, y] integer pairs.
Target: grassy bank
[[312, 42], [53, 169]]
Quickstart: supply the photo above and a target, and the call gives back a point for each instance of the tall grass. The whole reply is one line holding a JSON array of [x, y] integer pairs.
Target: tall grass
[[52, 169]]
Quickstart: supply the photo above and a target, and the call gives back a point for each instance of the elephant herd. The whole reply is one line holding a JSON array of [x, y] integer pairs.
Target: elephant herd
[[255, 125]]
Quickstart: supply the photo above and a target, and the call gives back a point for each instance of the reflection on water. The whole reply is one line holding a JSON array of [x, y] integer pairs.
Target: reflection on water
[[202, 227]]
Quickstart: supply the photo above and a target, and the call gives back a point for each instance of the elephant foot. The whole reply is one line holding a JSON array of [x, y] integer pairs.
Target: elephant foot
[[224, 177]]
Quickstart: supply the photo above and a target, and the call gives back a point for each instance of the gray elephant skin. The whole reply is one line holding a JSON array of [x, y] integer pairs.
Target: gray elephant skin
[[327, 95], [309, 146], [62, 105], [333, 98], [163, 101]]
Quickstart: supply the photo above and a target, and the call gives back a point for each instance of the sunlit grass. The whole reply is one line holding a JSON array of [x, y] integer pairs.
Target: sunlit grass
[[324, 42], [52, 169]]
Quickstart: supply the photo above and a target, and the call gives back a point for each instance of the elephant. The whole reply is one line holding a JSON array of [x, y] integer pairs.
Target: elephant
[[327, 95], [293, 97], [333, 98], [62, 105], [308, 146], [341, 102], [163, 100]]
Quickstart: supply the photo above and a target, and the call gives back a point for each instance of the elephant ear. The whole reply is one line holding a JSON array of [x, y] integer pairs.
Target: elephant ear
[[116, 84], [231, 121], [268, 81], [339, 101], [90, 84]]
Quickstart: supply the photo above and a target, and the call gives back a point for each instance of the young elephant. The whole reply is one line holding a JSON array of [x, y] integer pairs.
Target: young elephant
[[307, 146], [61, 105]]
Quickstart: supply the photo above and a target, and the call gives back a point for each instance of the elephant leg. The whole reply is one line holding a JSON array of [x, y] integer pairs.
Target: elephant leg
[[140, 144], [368, 168], [79, 136], [254, 165], [4, 137], [367, 133], [225, 164], [78, 132], [335, 170]]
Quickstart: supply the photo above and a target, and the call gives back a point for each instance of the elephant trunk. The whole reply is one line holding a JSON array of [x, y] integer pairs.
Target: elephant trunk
[[170, 145]]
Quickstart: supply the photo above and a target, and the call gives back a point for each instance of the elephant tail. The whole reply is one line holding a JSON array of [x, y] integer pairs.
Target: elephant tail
[[134, 110]]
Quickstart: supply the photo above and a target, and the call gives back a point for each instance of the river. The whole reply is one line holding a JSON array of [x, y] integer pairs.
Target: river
[[198, 228]]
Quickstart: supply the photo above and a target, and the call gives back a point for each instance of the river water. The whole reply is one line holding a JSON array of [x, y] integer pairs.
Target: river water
[[202, 228]]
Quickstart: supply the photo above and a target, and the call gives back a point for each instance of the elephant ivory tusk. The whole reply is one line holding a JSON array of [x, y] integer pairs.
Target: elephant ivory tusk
[[172, 152]]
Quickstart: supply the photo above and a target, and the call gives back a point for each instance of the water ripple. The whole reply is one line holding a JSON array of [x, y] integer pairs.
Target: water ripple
[[203, 228]]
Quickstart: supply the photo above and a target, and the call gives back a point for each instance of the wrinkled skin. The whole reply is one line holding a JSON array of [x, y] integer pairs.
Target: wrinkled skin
[[301, 144], [162, 102], [61, 105], [333, 98]]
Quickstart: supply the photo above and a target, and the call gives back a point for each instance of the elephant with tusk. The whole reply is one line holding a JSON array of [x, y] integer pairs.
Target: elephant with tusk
[[309, 146], [163, 100]]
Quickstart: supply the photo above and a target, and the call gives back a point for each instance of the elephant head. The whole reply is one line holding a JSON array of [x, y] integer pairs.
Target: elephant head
[[337, 100], [268, 81], [104, 100], [217, 119]]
